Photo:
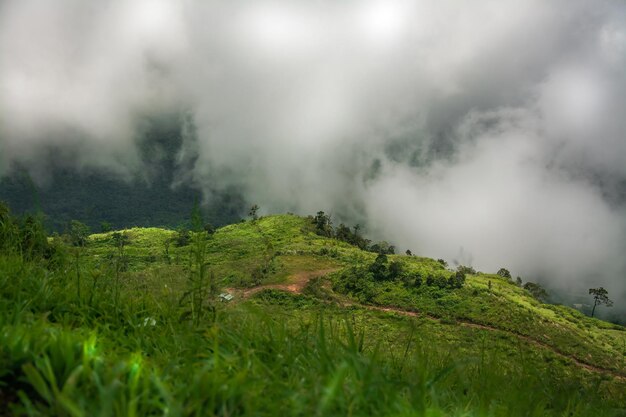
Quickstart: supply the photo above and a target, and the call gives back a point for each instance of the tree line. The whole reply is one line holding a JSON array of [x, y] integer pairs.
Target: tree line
[[323, 226]]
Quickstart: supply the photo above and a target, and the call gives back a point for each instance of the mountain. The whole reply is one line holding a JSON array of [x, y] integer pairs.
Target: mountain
[[150, 194]]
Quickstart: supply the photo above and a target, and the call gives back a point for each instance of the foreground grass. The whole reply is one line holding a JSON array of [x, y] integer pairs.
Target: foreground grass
[[125, 345]]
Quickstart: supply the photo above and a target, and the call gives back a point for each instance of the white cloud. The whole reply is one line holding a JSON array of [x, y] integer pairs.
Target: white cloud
[[496, 125]]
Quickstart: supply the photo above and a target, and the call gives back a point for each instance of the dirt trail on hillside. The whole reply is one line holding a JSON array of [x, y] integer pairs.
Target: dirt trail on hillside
[[468, 323], [296, 283]]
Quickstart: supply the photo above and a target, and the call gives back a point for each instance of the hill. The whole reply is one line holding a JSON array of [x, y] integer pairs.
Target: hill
[[141, 322]]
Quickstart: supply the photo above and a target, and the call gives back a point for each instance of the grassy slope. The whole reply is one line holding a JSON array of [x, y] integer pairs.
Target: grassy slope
[[294, 354], [237, 249]]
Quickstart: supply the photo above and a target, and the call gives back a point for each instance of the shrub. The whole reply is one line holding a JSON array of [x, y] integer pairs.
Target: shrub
[[323, 224], [430, 280], [536, 290], [383, 248], [182, 238], [79, 233], [467, 270], [441, 281], [105, 227], [395, 270], [456, 280], [378, 269], [356, 281], [504, 273]]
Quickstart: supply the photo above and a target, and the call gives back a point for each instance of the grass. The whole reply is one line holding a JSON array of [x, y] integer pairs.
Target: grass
[[507, 307], [319, 353]]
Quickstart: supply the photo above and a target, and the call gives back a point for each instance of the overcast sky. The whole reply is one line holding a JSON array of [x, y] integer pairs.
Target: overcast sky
[[490, 133]]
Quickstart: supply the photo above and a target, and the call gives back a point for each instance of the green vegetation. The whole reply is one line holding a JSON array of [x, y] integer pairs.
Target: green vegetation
[[600, 296], [129, 323], [536, 291], [324, 227], [95, 196]]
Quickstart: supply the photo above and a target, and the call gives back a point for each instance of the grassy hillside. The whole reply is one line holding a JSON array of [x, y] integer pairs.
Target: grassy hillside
[[132, 324]]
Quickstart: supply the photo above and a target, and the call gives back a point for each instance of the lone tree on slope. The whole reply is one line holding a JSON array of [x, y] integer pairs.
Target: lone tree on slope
[[254, 210], [600, 296]]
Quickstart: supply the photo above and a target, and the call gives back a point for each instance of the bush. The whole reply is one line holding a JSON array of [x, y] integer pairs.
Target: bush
[[105, 227], [182, 238], [504, 273], [356, 281], [413, 280], [536, 290], [456, 280], [441, 281], [79, 233], [430, 280], [32, 238], [209, 229], [395, 270], [378, 269], [467, 270], [323, 224], [120, 239], [383, 248]]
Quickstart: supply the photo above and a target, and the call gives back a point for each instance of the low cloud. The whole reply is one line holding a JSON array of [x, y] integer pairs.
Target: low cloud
[[489, 133]]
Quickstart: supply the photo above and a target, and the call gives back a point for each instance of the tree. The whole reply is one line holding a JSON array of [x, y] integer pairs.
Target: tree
[[197, 221], [441, 281], [600, 296], [456, 280], [443, 263], [357, 281], [323, 224], [430, 279], [536, 291], [5, 213], [412, 280], [7, 227], [105, 227], [182, 237], [504, 273], [408, 252], [32, 238], [79, 233], [379, 267], [120, 239], [209, 229], [344, 233], [467, 270], [395, 270], [417, 280], [253, 213], [383, 247]]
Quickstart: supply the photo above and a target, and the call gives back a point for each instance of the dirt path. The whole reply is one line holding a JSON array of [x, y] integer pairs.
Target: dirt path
[[296, 283], [528, 339]]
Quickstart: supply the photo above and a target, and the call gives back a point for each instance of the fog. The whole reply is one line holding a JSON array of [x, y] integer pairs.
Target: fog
[[490, 133]]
